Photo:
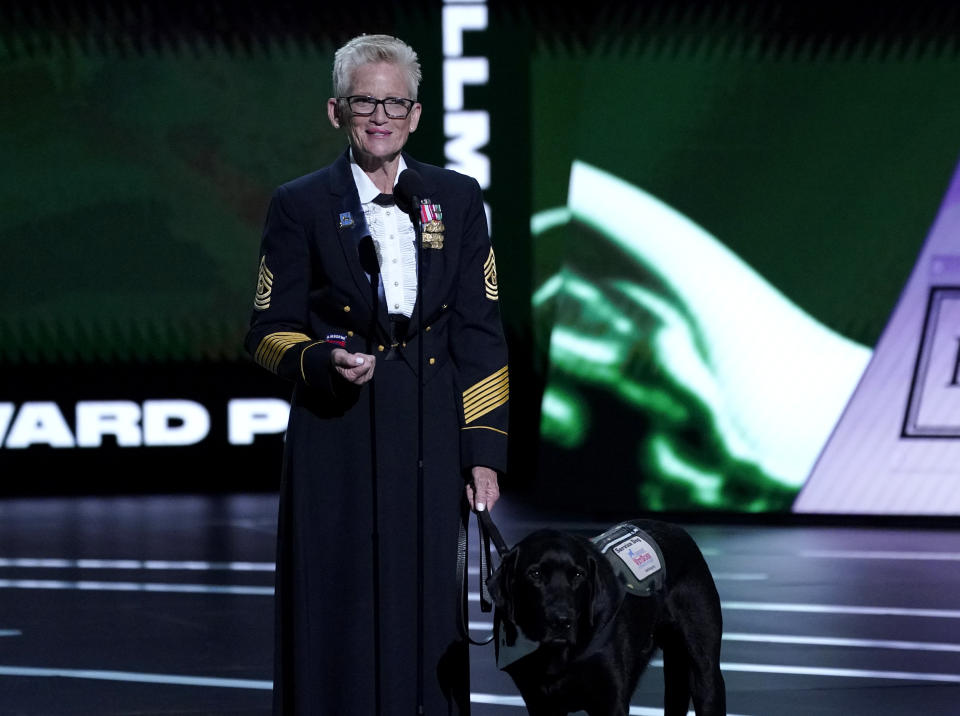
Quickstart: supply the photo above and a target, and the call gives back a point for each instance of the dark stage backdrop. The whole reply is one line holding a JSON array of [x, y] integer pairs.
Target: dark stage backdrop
[[141, 144], [705, 215]]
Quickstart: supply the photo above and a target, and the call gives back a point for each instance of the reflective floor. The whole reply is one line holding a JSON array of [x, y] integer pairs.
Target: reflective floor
[[162, 605]]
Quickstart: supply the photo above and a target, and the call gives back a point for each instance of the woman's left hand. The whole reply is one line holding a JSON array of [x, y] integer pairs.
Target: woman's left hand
[[483, 490]]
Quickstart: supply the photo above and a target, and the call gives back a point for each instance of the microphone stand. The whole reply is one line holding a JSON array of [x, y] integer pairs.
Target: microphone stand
[[371, 264], [410, 184], [418, 228]]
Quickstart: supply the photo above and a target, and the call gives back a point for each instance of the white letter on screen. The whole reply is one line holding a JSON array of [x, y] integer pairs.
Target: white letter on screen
[[458, 19], [468, 132], [40, 423], [462, 71], [174, 422], [96, 418], [249, 417], [6, 415]]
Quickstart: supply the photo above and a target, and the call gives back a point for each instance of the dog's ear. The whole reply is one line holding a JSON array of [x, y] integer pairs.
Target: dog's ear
[[502, 581], [606, 591]]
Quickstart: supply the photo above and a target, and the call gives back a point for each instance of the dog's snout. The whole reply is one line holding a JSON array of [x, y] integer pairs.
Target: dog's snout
[[559, 621]]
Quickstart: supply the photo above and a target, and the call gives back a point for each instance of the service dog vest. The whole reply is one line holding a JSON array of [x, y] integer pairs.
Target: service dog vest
[[635, 557]]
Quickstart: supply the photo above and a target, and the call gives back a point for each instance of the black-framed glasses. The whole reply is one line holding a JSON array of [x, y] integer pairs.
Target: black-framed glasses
[[394, 107]]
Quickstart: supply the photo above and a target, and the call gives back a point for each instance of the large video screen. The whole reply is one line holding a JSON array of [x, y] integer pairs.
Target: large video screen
[[725, 237], [726, 218]]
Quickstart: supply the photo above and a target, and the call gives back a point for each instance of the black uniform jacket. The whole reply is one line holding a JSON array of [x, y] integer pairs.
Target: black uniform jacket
[[313, 294], [347, 551]]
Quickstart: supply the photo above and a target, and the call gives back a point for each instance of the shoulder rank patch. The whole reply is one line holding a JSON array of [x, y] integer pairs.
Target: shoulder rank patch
[[490, 277], [264, 286]]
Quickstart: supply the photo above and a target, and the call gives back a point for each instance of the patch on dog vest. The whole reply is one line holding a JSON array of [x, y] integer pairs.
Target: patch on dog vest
[[635, 557]]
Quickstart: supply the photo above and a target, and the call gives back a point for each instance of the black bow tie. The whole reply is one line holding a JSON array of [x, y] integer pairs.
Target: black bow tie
[[384, 200]]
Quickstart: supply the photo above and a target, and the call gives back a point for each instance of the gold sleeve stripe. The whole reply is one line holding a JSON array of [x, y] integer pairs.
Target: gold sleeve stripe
[[499, 376], [486, 395], [485, 427], [303, 373], [482, 409], [272, 348], [482, 401]]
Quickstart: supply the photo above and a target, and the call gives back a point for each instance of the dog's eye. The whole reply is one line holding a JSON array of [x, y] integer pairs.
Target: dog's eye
[[579, 574], [534, 573]]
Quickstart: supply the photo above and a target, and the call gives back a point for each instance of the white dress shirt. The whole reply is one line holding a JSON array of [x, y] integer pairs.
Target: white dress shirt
[[395, 240]]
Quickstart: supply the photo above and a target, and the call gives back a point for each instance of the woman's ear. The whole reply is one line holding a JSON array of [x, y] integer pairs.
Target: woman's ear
[[333, 112]]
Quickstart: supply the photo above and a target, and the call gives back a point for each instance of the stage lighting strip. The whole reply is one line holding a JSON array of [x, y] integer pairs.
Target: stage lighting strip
[[135, 564], [158, 564], [880, 554], [92, 586], [497, 700], [841, 609], [506, 700]]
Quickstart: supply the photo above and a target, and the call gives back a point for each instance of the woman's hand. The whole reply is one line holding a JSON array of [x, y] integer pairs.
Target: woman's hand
[[483, 490], [354, 367]]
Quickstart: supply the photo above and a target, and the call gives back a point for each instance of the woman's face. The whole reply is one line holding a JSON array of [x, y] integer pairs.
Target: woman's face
[[376, 137]]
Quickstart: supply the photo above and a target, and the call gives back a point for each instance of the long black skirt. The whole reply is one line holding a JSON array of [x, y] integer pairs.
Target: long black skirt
[[327, 573]]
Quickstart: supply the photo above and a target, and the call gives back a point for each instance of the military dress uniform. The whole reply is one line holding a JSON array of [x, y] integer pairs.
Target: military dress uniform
[[314, 294]]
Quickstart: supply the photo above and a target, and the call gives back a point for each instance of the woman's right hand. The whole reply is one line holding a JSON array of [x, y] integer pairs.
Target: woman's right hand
[[354, 367]]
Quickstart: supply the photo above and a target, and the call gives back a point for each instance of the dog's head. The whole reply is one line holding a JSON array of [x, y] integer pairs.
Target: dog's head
[[557, 588]]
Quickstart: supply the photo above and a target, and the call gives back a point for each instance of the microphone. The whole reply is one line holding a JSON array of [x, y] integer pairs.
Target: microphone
[[409, 191], [370, 262], [369, 256]]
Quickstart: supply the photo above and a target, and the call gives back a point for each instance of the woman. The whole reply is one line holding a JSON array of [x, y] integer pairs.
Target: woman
[[336, 312]]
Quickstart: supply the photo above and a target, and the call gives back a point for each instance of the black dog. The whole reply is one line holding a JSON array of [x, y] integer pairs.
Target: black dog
[[589, 639]]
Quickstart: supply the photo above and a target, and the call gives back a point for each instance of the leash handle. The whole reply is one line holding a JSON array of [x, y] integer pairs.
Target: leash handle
[[486, 603], [491, 529], [488, 531]]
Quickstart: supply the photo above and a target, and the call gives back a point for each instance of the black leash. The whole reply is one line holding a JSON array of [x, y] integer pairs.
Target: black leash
[[486, 523], [487, 531]]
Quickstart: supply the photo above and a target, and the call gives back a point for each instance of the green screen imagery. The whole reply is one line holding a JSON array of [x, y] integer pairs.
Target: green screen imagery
[[720, 234], [134, 188], [705, 217]]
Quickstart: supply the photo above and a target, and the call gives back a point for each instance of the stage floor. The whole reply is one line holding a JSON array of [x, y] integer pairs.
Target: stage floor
[[162, 605]]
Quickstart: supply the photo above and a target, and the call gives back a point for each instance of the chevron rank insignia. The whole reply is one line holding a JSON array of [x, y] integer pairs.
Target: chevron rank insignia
[[490, 277], [264, 286]]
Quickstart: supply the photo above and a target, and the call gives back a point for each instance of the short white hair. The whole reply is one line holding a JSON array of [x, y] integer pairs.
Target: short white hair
[[366, 49]]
